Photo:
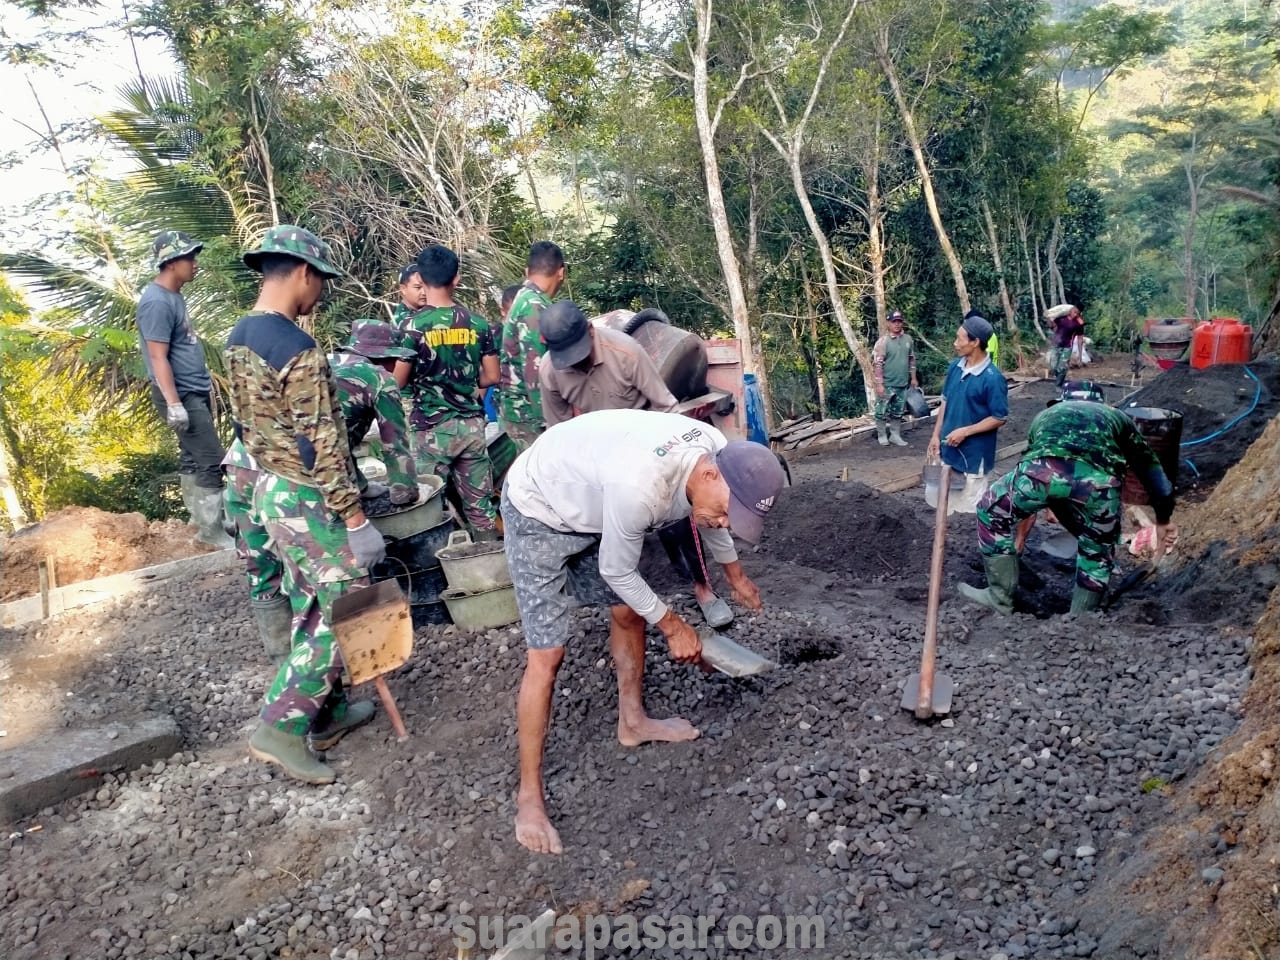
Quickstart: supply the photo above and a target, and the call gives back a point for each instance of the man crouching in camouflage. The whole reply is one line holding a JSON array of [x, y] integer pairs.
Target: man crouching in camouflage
[[1077, 454], [285, 410]]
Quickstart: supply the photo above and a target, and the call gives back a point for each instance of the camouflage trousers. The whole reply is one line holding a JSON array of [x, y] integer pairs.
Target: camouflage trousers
[[1085, 500], [893, 405], [262, 568], [319, 567], [522, 434], [455, 450], [1061, 365], [552, 572]]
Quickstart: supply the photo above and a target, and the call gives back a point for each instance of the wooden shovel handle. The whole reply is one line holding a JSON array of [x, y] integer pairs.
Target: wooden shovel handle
[[389, 704], [924, 699]]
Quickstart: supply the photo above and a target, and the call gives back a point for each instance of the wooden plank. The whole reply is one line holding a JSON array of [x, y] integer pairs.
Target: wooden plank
[[814, 430], [791, 428]]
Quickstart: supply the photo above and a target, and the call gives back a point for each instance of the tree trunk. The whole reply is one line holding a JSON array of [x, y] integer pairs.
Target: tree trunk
[[1010, 318], [875, 236], [13, 511], [1031, 277], [926, 179], [1189, 235], [751, 360]]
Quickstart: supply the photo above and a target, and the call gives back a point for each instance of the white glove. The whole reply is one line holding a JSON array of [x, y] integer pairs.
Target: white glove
[[367, 544], [177, 417]]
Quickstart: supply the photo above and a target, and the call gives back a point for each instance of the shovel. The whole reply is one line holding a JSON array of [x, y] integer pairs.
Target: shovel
[[375, 635], [927, 693], [730, 658], [1134, 578]]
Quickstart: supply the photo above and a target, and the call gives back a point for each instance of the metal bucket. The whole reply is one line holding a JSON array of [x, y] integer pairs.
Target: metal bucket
[[1162, 429], [421, 586], [418, 551], [423, 515], [917, 405], [473, 567], [483, 609]]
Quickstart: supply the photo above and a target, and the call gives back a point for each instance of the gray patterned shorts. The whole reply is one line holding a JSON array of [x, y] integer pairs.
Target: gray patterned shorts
[[552, 572]]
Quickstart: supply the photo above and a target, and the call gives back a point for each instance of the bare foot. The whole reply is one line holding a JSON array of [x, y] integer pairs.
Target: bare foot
[[533, 830], [675, 730]]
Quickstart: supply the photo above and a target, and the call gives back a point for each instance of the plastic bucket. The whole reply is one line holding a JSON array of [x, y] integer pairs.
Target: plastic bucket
[[423, 515], [418, 551], [472, 566], [483, 609], [1162, 429]]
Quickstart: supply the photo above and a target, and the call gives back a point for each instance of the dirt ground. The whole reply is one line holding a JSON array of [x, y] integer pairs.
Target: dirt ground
[[1105, 786], [85, 543]]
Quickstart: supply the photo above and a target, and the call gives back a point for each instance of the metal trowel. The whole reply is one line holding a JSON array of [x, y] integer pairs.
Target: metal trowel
[[730, 658]]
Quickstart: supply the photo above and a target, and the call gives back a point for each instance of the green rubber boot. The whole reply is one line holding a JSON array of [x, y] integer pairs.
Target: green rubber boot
[[1085, 601], [270, 744], [356, 715], [1002, 581], [275, 627], [895, 435]]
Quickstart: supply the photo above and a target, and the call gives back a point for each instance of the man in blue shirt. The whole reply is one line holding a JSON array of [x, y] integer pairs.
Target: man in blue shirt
[[975, 403]]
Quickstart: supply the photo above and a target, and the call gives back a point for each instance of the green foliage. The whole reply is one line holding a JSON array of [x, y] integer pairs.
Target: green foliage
[[142, 482]]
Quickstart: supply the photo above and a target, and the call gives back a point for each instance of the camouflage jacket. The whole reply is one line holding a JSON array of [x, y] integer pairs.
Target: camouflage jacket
[[449, 387], [519, 398], [401, 316], [367, 392], [285, 408], [1105, 439]]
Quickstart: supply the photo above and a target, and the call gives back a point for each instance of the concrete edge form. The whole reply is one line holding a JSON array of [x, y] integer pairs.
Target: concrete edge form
[[15, 613], [60, 764]]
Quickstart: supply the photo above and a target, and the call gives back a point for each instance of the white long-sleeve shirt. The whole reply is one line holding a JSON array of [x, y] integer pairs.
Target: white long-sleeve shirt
[[621, 474]]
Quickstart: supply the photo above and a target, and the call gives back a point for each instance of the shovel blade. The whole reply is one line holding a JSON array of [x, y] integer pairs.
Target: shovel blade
[[730, 658], [940, 704]]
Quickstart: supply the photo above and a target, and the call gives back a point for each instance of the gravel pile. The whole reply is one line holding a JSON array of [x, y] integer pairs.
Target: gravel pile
[[809, 792]]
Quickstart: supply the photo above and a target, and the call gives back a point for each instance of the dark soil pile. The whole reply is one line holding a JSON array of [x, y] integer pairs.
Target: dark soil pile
[[847, 528], [1211, 400]]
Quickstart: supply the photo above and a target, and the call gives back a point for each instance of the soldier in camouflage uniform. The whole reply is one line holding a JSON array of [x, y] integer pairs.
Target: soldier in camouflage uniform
[[519, 399], [367, 390], [1077, 454], [413, 295], [263, 569], [285, 410], [894, 361], [448, 407]]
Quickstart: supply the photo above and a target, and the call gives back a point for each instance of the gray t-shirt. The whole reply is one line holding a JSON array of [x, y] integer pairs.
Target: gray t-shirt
[[162, 318]]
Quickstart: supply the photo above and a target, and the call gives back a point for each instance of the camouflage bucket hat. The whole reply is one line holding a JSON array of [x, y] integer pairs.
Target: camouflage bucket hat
[[376, 340], [294, 242], [172, 244]]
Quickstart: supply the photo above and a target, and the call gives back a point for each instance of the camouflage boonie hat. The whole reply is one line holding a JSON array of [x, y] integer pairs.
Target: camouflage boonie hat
[[294, 242], [172, 244], [376, 340], [1080, 390]]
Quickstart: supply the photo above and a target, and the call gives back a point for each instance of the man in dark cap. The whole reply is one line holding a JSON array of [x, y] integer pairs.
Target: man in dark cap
[[894, 360], [975, 403], [1078, 452], [180, 383], [595, 368], [577, 505]]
